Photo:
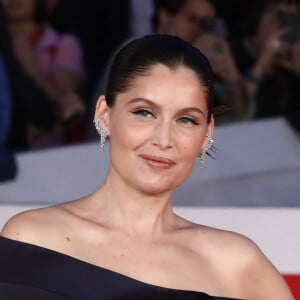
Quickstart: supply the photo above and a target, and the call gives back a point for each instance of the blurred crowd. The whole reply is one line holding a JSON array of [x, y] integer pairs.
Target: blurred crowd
[[55, 55]]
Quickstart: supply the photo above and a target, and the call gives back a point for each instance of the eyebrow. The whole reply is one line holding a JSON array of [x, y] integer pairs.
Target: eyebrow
[[151, 103], [139, 99], [194, 109]]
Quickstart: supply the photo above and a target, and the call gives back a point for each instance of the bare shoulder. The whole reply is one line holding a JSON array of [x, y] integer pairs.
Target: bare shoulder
[[226, 242], [231, 249], [34, 226], [244, 264]]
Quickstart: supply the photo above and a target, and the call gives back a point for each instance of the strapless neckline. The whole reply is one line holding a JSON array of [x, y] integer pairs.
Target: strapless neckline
[[108, 271]]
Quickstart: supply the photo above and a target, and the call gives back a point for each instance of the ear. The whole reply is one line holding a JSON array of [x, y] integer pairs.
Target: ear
[[102, 111], [210, 130], [211, 127]]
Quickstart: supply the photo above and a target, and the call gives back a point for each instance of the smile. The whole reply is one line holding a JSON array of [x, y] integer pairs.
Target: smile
[[157, 162]]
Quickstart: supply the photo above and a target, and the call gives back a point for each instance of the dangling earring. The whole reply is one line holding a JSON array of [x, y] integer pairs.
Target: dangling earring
[[204, 150], [101, 131]]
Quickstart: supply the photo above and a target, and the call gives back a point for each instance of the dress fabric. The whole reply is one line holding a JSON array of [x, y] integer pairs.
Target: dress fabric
[[30, 272]]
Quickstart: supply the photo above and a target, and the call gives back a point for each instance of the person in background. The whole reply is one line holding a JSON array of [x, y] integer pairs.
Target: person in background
[[101, 26], [196, 21], [269, 61], [30, 104], [52, 60], [7, 161]]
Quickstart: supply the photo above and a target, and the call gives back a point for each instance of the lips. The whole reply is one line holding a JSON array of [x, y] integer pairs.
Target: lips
[[158, 162]]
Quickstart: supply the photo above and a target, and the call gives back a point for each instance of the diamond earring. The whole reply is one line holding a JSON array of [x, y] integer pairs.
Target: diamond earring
[[204, 151], [101, 131]]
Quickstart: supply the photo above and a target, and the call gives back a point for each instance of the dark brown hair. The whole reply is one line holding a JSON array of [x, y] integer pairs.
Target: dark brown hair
[[40, 11], [140, 55]]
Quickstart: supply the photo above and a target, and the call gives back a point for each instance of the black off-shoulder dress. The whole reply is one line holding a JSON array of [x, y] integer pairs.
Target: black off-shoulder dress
[[30, 272]]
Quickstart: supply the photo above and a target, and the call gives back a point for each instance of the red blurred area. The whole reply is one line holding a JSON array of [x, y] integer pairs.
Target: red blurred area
[[294, 283]]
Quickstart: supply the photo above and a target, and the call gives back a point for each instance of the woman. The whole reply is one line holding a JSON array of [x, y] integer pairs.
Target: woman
[[124, 241], [53, 60]]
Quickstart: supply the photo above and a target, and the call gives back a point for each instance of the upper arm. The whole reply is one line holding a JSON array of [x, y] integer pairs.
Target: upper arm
[[67, 70], [261, 279], [69, 56], [65, 81], [246, 271], [14, 226], [26, 226]]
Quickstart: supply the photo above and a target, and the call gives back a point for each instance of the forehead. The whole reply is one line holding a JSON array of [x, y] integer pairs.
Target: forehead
[[168, 86], [288, 7], [163, 73], [201, 8]]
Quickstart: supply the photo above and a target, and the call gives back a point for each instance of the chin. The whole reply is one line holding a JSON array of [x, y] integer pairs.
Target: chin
[[156, 188], [154, 191]]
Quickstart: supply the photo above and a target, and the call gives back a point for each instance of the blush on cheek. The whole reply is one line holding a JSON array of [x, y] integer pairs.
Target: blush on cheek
[[138, 133], [127, 137], [192, 149]]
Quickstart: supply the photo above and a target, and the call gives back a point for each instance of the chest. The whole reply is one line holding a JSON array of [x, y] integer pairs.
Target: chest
[[164, 263]]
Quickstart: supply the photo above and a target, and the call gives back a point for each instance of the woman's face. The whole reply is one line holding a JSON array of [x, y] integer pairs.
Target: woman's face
[[19, 9], [157, 128], [187, 24]]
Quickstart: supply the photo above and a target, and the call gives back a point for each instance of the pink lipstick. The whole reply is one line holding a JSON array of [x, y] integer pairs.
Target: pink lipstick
[[157, 161]]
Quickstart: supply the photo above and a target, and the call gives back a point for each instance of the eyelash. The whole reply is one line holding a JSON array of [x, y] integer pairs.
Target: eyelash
[[190, 120], [145, 113]]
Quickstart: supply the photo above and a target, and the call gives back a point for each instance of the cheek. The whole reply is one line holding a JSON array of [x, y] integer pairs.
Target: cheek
[[182, 29], [187, 29], [128, 132], [188, 158], [192, 141], [267, 26], [191, 147]]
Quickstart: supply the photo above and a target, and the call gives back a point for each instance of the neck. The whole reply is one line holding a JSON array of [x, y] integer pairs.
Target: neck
[[137, 213]]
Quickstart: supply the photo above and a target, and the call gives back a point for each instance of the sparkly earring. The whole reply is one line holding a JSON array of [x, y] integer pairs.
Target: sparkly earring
[[204, 150], [101, 131]]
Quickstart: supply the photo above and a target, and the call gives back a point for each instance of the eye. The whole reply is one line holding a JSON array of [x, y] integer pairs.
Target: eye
[[143, 112], [188, 120]]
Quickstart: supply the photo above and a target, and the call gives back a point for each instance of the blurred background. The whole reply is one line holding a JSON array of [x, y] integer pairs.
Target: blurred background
[[55, 55], [54, 62]]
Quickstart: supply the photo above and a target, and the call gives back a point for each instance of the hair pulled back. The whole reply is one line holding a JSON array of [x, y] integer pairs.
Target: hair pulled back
[[140, 55]]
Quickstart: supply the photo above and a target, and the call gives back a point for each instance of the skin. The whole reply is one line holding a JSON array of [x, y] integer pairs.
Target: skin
[[185, 24], [222, 61], [128, 225], [18, 10], [295, 63], [267, 44]]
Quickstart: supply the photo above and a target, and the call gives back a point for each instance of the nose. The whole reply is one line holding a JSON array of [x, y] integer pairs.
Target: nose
[[162, 136]]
